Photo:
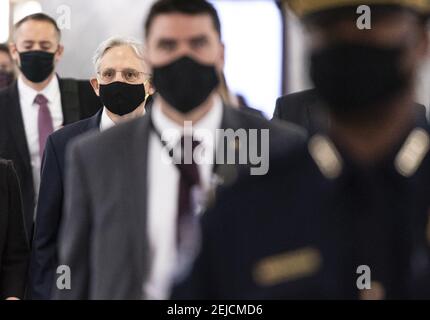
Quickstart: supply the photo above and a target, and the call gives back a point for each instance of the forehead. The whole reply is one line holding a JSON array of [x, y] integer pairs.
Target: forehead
[[181, 26], [36, 30], [123, 56]]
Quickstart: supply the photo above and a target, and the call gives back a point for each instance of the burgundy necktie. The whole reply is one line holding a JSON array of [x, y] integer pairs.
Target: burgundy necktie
[[44, 122], [189, 179]]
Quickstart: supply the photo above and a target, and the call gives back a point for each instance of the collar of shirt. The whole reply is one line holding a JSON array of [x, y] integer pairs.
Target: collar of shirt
[[105, 122], [204, 130], [28, 94]]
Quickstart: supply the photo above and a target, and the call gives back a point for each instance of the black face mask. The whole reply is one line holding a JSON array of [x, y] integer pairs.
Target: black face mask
[[185, 84], [122, 98], [37, 65], [6, 78], [355, 79]]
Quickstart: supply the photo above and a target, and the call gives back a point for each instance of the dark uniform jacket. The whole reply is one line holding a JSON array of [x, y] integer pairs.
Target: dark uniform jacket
[[311, 228]]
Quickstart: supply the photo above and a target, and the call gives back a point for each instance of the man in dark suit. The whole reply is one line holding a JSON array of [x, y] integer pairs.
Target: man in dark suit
[[302, 108], [347, 216], [120, 53], [38, 103], [131, 194], [14, 250], [306, 109]]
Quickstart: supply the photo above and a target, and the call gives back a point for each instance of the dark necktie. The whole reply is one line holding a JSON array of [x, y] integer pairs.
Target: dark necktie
[[188, 181], [44, 122]]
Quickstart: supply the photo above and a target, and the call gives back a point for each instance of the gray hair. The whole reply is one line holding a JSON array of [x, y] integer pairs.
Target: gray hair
[[116, 42]]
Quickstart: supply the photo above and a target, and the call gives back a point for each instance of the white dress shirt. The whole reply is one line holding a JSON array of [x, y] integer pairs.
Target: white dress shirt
[[30, 111], [163, 185], [105, 121]]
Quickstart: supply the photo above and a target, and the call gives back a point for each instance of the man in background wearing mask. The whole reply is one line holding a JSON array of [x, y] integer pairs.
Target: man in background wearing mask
[[128, 208], [7, 74], [123, 84], [38, 103], [348, 216]]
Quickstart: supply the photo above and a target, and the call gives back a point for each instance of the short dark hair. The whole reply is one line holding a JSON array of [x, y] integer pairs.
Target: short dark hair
[[38, 17], [191, 7], [4, 48]]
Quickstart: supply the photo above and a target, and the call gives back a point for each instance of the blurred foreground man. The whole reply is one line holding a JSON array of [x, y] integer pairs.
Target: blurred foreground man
[[348, 217], [122, 82], [133, 193]]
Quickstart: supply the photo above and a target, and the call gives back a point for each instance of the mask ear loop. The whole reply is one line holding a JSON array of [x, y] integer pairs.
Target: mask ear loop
[[146, 92], [148, 96]]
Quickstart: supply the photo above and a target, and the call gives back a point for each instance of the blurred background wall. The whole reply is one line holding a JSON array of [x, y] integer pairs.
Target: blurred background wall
[[91, 22], [265, 47]]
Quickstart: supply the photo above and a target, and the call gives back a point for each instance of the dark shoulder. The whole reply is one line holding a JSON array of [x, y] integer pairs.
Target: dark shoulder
[[247, 119], [78, 82], [70, 131], [82, 85], [253, 111], [293, 106], [112, 140], [89, 101], [305, 96]]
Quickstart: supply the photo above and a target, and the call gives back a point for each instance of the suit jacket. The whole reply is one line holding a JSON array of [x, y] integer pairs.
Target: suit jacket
[[306, 109], [78, 101], [14, 250], [103, 238], [44, 261]]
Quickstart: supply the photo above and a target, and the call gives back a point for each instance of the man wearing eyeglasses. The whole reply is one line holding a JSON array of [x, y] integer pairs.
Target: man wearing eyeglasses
[[134, 192], [123, 84]]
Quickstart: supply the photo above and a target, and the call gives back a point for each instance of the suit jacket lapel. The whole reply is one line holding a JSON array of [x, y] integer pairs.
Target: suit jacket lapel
[[69, 100], [16, 125], [94, 121]]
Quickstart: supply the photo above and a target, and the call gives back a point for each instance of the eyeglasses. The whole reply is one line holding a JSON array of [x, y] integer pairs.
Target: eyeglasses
[[128, 74]]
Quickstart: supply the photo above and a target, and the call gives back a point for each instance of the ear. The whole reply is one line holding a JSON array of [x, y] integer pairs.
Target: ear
[[222, 56], [149, 88], [59, 53], [14, 52], [96, 87]]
